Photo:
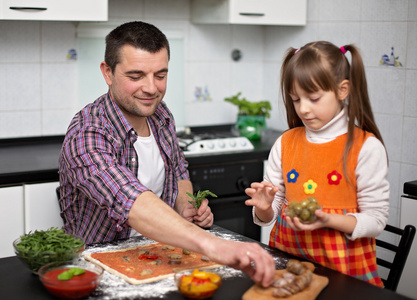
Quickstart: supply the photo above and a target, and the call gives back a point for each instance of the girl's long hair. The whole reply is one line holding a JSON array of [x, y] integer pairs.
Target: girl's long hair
[[322, 65]]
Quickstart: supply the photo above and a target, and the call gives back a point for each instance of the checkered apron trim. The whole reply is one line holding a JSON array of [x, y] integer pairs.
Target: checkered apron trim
[[329, 248]]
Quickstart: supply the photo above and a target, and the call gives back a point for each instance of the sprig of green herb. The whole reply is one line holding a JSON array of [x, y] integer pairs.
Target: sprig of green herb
[[199, 197]]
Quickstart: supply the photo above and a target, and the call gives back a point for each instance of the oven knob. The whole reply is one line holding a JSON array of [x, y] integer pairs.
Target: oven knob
[[222, 144], [232, 143], [210, 145], [242, 183]]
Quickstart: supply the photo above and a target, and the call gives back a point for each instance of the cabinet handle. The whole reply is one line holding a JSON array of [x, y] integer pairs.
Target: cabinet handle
[[252, 14], [27, 8]]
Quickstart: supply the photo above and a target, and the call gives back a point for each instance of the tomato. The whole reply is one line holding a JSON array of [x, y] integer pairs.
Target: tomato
[[148, 256]]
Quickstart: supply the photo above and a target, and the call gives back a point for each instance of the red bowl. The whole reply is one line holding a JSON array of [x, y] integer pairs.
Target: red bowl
[[78, 287]]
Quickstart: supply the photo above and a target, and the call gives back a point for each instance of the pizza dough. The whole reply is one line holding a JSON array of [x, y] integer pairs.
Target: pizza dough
[[149, 263]]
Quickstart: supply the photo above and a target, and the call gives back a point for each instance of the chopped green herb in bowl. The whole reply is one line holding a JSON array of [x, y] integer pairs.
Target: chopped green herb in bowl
[[38, 248]]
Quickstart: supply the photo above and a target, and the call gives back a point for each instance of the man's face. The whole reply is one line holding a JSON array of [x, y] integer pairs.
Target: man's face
[[139, 81]]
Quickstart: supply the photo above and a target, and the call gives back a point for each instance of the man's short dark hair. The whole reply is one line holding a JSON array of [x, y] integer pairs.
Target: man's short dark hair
[[138, 34]]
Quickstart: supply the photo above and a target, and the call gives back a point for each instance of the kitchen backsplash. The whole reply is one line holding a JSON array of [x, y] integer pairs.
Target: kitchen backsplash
[[40, 80]]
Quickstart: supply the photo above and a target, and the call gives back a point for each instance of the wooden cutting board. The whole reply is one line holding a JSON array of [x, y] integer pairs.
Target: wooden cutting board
[[318, 283]]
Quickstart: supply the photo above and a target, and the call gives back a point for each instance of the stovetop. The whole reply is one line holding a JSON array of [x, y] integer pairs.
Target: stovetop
[[212, 140]]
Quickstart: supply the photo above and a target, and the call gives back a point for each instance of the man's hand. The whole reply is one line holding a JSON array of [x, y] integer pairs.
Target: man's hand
[[202, 217], [251, 258]]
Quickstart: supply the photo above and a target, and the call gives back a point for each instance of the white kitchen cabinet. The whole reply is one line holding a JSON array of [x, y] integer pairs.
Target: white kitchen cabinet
[[11, 218], [41, 207], [407, 285], [54, 10], [260, 12]]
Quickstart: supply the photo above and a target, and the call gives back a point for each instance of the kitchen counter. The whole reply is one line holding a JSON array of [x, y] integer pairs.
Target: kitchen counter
[[32, 160], [17, 282]]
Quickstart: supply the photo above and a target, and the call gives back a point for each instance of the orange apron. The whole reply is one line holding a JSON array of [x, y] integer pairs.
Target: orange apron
[[317, 170]]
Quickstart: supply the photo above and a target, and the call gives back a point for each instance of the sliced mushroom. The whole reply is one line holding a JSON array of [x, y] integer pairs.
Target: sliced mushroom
[[156, 262], [167, 247], [174, 261], [146, 272], [205, 258]]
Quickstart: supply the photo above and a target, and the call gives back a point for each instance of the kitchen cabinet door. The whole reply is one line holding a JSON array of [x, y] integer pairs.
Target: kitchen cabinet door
[[41, 207], [54, 10], [260, 12], [11, 218]]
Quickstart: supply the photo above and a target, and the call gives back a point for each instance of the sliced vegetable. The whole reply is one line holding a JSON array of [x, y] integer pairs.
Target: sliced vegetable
[[199, 284], [148, 256], [68, 274]]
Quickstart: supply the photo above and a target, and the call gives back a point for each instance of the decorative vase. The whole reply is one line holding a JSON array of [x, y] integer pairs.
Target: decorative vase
[[251, 126]]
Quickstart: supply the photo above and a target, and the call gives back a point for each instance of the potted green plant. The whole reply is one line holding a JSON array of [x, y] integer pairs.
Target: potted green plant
[[251, 119]]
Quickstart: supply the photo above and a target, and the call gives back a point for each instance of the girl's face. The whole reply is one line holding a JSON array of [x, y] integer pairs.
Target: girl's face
[[316, 109]]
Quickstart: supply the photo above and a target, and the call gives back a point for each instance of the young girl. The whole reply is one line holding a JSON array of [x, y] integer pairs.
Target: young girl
[[333, 152]]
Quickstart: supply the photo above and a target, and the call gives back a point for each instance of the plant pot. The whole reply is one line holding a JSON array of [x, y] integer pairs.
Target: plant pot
[[251, 126]]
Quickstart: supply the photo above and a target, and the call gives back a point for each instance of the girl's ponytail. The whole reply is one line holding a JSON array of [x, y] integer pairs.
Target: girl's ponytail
[[359, 108]]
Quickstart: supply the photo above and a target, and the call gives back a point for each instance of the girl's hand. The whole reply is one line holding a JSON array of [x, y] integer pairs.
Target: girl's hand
[[262, 194], [322, 221]]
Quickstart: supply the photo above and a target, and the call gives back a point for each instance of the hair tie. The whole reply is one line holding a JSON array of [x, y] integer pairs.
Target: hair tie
[[297, 51], [343, 49]]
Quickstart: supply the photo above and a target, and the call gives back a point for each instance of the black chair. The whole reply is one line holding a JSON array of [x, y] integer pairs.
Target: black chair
[[400, 250]]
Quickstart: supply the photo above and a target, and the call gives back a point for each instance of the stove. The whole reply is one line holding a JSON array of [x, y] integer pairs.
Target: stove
[[212, 140], [228, 179]]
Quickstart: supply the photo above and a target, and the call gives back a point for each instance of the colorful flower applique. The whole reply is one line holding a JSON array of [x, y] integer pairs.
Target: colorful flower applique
[[292, 176], [334, 178], [309, 187]]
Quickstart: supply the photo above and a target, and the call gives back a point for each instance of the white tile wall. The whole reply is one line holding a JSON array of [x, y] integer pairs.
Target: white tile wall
[[339, 10], [127, 9], [38, 85], [20, 42], [410, 104]]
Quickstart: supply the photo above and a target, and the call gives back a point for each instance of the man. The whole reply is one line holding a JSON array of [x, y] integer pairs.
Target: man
[[121, 169]]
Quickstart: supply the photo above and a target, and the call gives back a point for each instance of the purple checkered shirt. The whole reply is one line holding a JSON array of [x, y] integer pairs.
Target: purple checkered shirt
[[98, 168]]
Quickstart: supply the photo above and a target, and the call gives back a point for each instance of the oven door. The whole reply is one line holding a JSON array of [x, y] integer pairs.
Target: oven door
[[230, 212]]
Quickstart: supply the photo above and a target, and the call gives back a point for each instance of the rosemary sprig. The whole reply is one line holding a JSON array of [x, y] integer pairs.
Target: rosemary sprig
[[199, 197]]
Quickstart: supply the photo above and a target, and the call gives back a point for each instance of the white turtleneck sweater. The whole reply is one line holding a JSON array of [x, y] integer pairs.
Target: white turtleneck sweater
[[371, 178]]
